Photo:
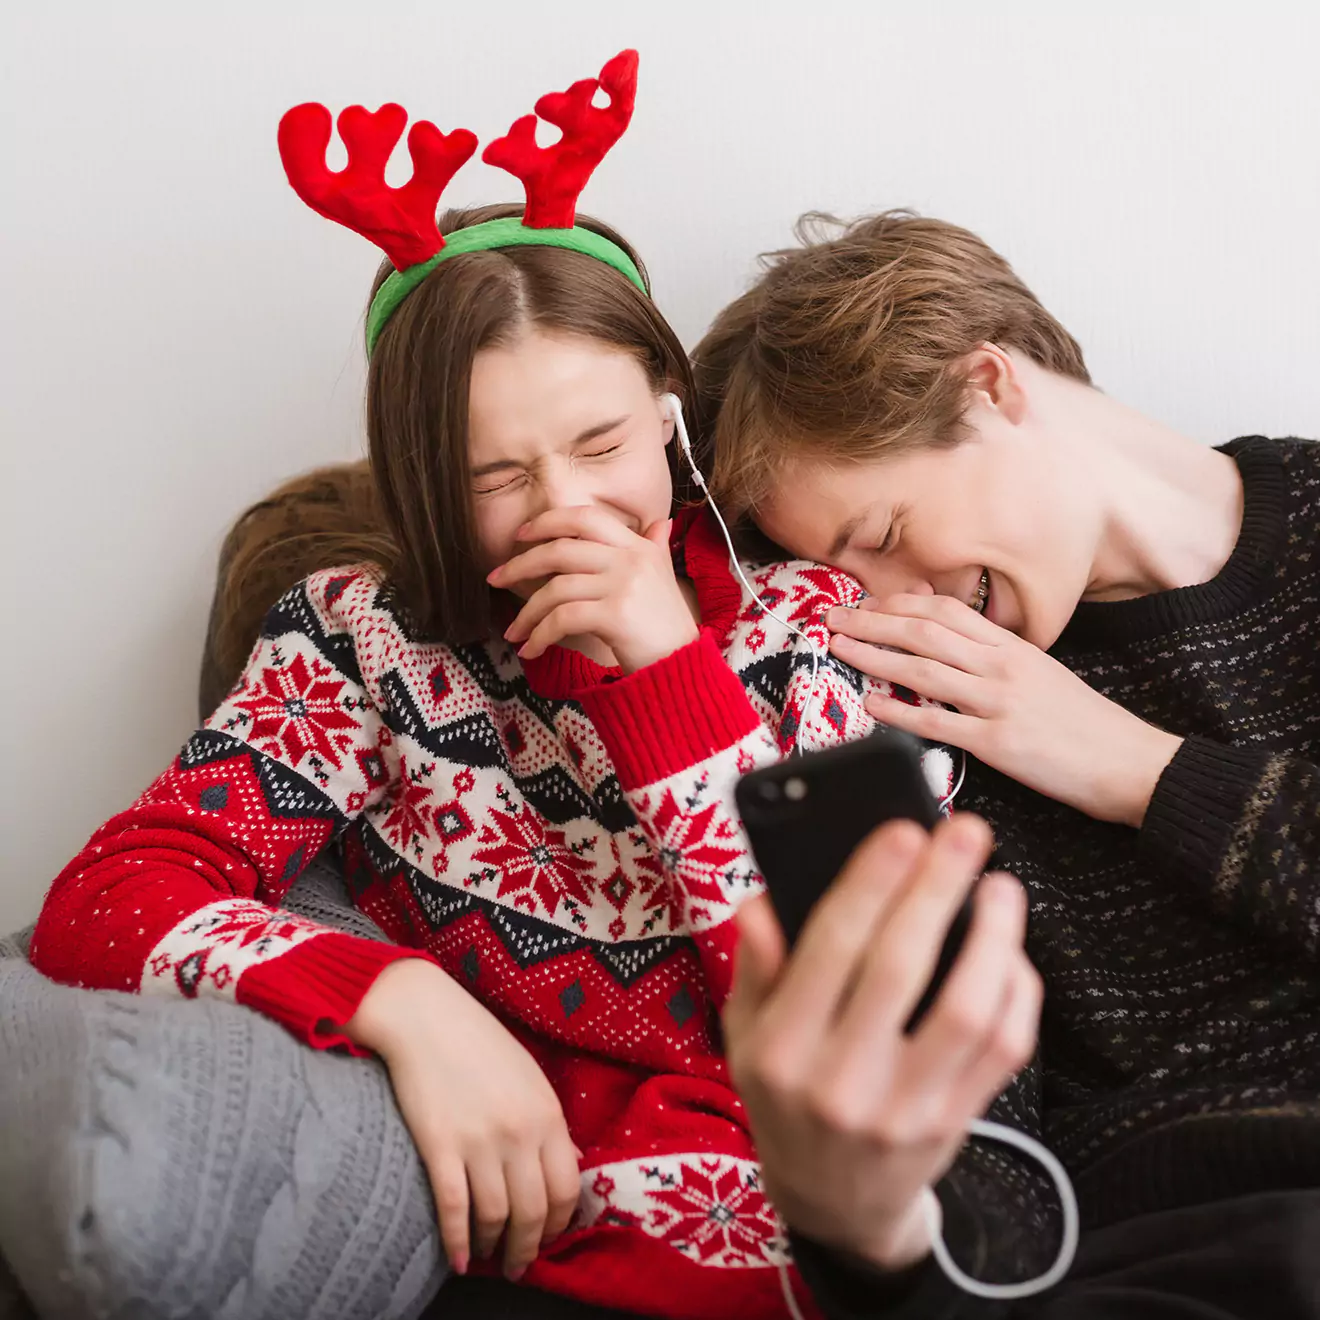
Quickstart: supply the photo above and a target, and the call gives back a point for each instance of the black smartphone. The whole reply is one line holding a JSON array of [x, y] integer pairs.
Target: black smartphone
[[806, 816]]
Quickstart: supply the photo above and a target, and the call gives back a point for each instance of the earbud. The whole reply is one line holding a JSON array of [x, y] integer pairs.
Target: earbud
[[671, 409]]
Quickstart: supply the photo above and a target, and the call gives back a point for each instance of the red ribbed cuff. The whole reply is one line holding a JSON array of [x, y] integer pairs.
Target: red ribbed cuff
[[671, 715], [316, 987]]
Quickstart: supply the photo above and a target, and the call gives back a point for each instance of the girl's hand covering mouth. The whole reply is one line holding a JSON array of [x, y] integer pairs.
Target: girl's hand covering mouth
[[603, 580]]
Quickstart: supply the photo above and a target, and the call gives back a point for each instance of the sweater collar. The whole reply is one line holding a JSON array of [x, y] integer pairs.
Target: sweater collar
[[701, 556], [1098, 624]]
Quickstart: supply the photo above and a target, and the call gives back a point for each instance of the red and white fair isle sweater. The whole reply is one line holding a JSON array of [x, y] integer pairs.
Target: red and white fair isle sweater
[[561, 839]]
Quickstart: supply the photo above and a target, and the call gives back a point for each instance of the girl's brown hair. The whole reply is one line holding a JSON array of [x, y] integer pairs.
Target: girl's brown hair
[[319, 520], [849, 347], [410, 511], [417, 398]]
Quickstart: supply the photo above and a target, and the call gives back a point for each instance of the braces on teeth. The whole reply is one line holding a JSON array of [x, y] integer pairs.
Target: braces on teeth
[[982, 592]]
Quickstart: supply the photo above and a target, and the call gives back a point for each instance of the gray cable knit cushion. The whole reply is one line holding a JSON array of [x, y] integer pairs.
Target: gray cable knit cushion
[[191, 1159]]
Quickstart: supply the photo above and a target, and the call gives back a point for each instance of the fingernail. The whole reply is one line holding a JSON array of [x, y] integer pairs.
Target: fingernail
[[905, 840], [964, 836], [1003, 888], [460, 1265]]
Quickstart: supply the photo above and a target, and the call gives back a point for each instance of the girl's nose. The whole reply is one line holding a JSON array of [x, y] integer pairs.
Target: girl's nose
[[561, 487]]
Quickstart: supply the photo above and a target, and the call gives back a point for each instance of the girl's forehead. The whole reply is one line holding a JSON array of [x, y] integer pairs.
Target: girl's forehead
[[543, 386]]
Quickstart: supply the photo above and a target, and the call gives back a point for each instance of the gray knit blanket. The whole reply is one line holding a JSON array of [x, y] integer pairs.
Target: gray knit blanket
[[191, 1159]]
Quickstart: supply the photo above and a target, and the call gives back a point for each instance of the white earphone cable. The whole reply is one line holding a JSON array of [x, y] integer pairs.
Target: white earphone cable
[[1046, 1158], [977, 1127], [947, 799], [786, 1283], [675, 412]]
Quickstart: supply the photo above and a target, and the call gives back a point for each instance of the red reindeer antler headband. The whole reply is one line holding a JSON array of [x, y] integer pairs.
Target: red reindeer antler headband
[[401, 221]]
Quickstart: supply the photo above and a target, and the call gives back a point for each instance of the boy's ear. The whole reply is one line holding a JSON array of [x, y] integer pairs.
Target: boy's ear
[[994, 381]]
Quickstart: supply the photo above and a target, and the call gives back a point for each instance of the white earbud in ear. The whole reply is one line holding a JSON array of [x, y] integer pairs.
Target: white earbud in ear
[[671, 409]]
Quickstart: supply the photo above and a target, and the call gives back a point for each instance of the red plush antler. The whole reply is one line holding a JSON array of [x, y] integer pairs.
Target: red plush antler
[[401, 221], [554, 176]]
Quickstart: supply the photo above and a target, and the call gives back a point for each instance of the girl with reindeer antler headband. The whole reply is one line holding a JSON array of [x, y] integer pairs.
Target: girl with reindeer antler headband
[[524, 728]]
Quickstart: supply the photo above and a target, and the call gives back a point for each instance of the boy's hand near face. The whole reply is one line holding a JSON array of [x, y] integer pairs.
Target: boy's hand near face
[[1014, 706], [604, 581]]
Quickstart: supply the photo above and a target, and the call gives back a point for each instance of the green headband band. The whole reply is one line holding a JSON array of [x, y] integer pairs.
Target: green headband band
[[508, 232]]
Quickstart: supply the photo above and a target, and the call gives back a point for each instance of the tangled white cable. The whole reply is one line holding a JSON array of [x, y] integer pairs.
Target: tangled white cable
[[1067, 1198], [1002, 1292]]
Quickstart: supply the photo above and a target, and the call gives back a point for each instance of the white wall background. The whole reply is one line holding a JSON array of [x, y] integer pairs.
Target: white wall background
[[180, 332]]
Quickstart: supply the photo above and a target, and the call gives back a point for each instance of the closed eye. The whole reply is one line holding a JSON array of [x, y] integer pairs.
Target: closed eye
[[506, 484], [491, 486]]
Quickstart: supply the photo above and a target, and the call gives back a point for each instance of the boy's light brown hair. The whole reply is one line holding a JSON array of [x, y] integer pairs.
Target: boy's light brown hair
[[849, 348]]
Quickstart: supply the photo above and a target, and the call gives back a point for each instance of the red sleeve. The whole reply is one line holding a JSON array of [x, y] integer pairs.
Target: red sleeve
[[680, 732], [176, 895], [671, 715]]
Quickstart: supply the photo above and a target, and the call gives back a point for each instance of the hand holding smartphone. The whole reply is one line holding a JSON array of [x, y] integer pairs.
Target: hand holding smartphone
[[856, 1113], [806, 816]]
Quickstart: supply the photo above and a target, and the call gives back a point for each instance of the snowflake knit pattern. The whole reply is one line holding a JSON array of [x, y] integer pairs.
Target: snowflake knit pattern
[[560, 838]]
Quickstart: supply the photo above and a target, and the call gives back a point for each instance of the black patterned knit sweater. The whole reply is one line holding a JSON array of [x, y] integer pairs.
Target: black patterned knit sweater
[[1180, 1047]]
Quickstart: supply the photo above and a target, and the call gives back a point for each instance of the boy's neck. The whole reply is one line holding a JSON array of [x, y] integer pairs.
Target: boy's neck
[[1173, 506]]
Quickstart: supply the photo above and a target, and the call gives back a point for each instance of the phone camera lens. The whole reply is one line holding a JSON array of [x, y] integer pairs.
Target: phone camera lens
[[768, 791], [795, 789]]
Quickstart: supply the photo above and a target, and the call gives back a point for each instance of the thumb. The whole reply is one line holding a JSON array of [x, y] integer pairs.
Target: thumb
[[658, 532]]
